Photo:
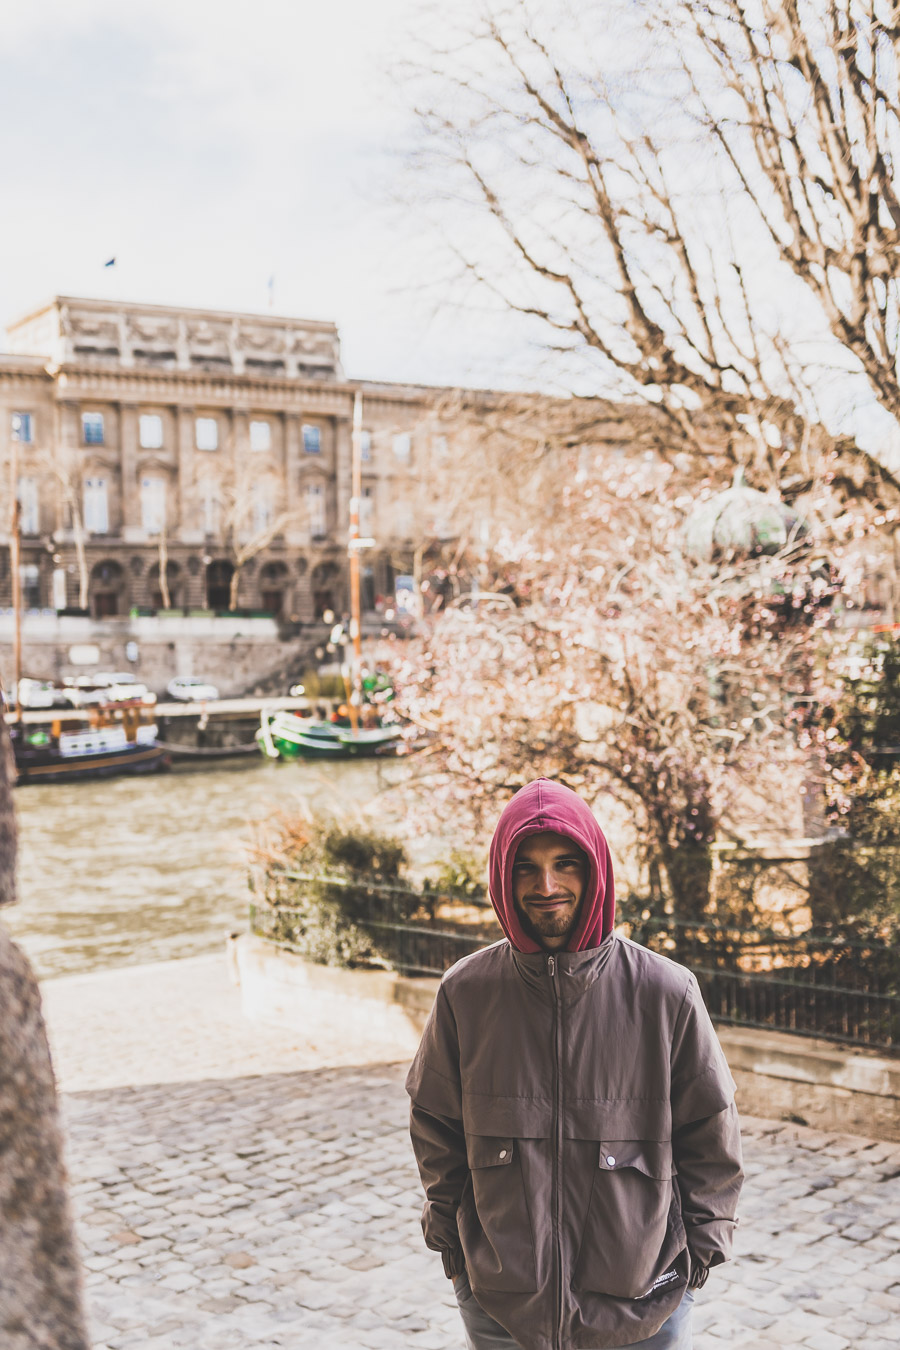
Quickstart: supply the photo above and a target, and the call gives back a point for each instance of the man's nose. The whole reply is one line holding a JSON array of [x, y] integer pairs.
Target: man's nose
[[546, 881]]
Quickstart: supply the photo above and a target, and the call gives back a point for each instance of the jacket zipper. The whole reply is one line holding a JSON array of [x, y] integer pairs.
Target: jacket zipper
[[557, 1163]]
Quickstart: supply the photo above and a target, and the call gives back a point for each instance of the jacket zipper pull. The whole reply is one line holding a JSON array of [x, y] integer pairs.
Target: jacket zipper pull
[[551, 966]]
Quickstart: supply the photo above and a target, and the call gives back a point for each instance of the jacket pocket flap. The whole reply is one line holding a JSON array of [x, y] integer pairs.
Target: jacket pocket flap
[[520, 1117], [624, 1118], [486, 1151], [653, 1157]]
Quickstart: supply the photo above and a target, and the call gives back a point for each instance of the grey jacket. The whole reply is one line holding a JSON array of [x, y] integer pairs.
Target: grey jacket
[[574, 1125]]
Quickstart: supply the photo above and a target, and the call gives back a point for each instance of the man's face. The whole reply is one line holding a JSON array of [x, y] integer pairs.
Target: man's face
[[548, 878]]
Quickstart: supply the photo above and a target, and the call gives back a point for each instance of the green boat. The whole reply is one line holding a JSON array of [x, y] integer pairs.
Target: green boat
[[284, 735]]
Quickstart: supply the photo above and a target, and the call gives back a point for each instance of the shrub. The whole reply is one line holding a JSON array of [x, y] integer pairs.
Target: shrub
[[329, 891], [462, 877]]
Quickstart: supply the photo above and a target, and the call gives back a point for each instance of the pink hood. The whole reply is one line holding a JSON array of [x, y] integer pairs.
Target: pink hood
[[545, 805]]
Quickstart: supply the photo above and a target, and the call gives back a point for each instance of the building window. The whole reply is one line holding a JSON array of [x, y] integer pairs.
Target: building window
[[29, 518], [153, 504], [207, 433], [151, 431], [315, 510], [30, 576], [312, 439], [262, 508], [92, 428], [365, 446], [96, 507], [260, 436], [22, 427], [402, 446], [209, 505]]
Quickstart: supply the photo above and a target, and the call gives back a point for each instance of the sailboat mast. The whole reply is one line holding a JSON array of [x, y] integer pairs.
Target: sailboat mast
[[353, 549], [15, 549]]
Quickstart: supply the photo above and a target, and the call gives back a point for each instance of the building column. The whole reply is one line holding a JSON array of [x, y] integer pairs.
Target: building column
[[67, 458], [343, 451], [194, 581], [303, 599], [128, 455], [240, 431], [296, 534], [184, 461]]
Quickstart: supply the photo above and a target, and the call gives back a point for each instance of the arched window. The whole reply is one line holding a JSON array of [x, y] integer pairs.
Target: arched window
[[107, 589]]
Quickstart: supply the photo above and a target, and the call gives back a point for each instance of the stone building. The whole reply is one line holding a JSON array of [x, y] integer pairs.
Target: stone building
[[151, 440]]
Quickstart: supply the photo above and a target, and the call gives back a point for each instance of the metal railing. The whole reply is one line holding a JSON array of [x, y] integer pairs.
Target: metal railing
[[822, 983], [406, 929]]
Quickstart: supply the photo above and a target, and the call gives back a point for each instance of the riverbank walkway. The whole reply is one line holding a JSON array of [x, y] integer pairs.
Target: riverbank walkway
[[238, 1185]]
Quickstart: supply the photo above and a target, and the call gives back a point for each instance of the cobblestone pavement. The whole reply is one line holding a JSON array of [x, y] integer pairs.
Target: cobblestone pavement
[[281, 1210]]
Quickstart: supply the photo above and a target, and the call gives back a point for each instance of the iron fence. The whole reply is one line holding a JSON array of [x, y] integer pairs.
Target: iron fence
[[408, 932], [824, 982]]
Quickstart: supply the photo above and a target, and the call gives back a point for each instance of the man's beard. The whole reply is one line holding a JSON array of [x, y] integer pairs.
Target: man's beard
[[548, 925]]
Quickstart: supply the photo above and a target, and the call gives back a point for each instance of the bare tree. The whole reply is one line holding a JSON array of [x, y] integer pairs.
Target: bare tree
[[163, 550], [600, 172], [242, 510], [632, 671], [617, 159], [64, 466], [246, 537], [812, 134]]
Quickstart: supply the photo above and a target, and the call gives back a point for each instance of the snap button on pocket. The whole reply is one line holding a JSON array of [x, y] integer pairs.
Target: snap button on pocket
[[610, 1161], [503, 1153]]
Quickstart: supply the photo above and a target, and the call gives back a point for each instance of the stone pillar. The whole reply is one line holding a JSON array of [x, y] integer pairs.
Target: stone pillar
[[68, 457], [132, 525], [189, 523], [303, 597], [40, 1267], [343, 449], [194, 582], [296, 533], [240, 431]]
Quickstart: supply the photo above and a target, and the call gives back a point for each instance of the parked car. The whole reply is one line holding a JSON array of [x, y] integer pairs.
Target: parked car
[[104, 686], [191, 689]]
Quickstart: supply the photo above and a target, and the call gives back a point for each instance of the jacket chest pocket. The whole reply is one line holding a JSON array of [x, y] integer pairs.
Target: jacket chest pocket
[[633, 1230], [494, 1223]]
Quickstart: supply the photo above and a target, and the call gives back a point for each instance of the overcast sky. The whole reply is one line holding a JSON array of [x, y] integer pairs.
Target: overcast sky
[[209, 145]]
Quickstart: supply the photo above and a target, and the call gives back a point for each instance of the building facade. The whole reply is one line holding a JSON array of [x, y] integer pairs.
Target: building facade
[[183, 459]]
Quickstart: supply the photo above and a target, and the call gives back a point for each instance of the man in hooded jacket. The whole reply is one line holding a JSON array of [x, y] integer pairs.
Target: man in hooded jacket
[[573, 1116]]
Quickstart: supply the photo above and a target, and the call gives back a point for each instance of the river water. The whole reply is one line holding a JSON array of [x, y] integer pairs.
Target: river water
[[129, 870]]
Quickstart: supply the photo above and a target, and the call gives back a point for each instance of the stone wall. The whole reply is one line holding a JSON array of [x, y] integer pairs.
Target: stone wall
[[234, 654]]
